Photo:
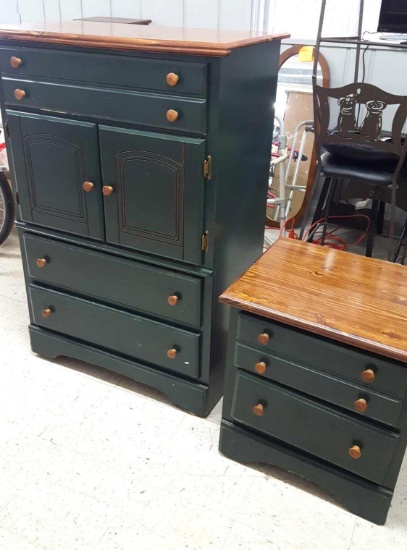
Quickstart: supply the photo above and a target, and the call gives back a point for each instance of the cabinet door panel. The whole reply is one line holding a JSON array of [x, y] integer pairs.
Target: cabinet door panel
[[53, 158], [157, 202]]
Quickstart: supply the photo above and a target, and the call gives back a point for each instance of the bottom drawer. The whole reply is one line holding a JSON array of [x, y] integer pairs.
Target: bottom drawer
[[312, 427], [110, 328]]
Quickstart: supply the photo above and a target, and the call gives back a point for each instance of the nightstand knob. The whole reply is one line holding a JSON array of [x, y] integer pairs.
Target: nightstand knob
[[260, 368], [172, 115], [368, 375], [355, 452], [361, 405], [173, 300], [41, 262], [19, 94], [172, 353], [87, 186], [258, 409], [107, 190], [172, 79], [46, 312], [15, 62], [263, 339]]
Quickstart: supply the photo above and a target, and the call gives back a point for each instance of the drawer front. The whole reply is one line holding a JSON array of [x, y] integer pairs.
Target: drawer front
[[116, 330], [120, 281], [108, 70], [313, 428], [320, 353], [318, 384], [132, 107]]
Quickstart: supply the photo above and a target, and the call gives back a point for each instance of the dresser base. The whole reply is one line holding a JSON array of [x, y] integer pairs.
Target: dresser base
[[362, 498], [187, 395]]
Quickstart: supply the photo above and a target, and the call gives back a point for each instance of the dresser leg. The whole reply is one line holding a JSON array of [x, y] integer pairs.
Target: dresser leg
[[360, 497]]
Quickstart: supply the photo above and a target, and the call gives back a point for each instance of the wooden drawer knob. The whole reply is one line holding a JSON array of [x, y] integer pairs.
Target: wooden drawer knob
[[258, 409], [263, 339], [172, 115], [368, 375], [172, 353], [361, 405], [261, 367], [107, 190], [19, 94], [355, 452], [46, 312], [173, 300], [172, 79], [41, 262], [87, 186], [15, 62]]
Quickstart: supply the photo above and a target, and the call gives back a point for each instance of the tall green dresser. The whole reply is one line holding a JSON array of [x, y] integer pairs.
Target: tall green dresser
[[139, 157]]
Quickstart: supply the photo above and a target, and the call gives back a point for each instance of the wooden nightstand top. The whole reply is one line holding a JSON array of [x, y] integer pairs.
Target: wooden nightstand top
[[356, 300], [148, 38]]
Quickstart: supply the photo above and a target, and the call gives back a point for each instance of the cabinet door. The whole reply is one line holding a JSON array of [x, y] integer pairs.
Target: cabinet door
[[154, 192], [53, 158]]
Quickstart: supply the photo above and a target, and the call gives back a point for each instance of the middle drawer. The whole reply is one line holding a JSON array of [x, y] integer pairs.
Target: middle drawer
[[361, 400], [131, 335], [128, 283]]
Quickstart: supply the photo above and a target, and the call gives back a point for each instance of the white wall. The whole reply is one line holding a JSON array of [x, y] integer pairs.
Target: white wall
[[224, 14]]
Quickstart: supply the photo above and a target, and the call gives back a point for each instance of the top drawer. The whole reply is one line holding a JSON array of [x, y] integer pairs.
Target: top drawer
[[111, 70], [320, 353]]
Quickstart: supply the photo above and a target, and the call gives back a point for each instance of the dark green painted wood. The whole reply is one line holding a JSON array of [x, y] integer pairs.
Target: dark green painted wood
[[241, 89], [145, 109], [158, 199], [109, 70], [188, 395], [123, 282], [52, 159], [342, 361], [332, 390], [313, 427], [116, 330], [113, 250], [361, 497]]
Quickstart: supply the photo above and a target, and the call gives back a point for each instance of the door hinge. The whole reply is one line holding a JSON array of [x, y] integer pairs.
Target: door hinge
[[208, 167], [17, 198], [6, 130], [204, 241]]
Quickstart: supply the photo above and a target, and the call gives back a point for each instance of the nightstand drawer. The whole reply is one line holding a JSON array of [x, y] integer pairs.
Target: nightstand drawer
[[112, 329], [159, 111], [107, 70], [313, 428], [368, 370], [356, 398], [127, 283]]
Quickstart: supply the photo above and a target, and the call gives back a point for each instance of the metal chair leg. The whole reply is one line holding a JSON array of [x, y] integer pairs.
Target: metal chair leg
[[392, 219], [400, 243], [374, 223], [380, 218], [308, 209], [331, 191]]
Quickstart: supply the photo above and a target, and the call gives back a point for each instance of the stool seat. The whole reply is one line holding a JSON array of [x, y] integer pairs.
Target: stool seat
[[373, 172]]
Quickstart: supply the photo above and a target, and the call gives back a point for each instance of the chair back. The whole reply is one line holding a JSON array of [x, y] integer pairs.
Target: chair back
[[358, 134]]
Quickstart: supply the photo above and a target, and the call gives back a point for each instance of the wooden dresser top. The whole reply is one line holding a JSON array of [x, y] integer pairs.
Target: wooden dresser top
[[356, 300], [149, 38]]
